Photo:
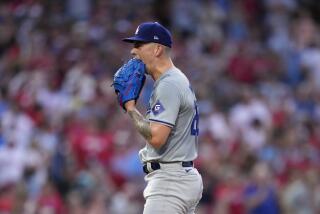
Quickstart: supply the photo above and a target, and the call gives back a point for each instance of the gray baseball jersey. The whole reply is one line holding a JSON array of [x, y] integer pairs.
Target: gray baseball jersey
[[173, 103]]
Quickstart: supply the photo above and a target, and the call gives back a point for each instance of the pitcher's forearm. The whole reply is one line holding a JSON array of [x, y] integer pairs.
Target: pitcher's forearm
[[141, 123]]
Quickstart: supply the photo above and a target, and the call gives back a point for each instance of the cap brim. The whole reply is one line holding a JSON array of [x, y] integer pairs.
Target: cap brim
[[134, 39]]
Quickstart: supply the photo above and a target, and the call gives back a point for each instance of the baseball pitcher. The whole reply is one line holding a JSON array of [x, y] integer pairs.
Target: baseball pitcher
[[170, 126]]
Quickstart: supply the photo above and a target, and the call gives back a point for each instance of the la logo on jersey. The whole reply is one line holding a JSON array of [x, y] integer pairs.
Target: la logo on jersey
[[157, 108]]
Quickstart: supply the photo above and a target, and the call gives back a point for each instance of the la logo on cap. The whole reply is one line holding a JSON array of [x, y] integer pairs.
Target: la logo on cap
[[137, 31], [155, 37]]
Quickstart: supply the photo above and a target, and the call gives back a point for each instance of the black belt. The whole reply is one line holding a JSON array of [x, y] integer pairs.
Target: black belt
[[156, 165]]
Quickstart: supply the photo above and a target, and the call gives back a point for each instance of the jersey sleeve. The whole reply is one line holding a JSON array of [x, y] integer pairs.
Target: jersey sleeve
[[165, 104]]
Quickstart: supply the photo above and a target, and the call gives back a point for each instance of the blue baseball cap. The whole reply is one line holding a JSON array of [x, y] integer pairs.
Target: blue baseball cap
[[151, 32]]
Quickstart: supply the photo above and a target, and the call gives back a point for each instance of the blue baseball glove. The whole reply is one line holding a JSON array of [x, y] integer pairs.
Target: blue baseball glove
[[129, 80]]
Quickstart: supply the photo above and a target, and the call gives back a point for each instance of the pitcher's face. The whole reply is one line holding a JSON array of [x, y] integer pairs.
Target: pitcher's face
[[146, 52]]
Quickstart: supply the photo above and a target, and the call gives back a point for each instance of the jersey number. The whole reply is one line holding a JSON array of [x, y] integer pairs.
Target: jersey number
[[195, 122]]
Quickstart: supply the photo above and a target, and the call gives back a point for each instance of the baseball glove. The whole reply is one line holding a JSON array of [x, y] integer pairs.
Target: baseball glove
[[129, 80]]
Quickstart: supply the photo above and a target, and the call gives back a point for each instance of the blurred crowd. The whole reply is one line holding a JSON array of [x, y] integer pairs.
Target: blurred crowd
[[67, 147]]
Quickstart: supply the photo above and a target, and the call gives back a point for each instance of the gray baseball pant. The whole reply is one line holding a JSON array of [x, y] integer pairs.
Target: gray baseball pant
[[172, 189]]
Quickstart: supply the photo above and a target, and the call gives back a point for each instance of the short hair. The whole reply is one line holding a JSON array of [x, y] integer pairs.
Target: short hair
[[167, 50]]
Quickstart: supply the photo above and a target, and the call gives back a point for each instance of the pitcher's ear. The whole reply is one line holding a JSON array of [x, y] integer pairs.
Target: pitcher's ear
[[159, 49]]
